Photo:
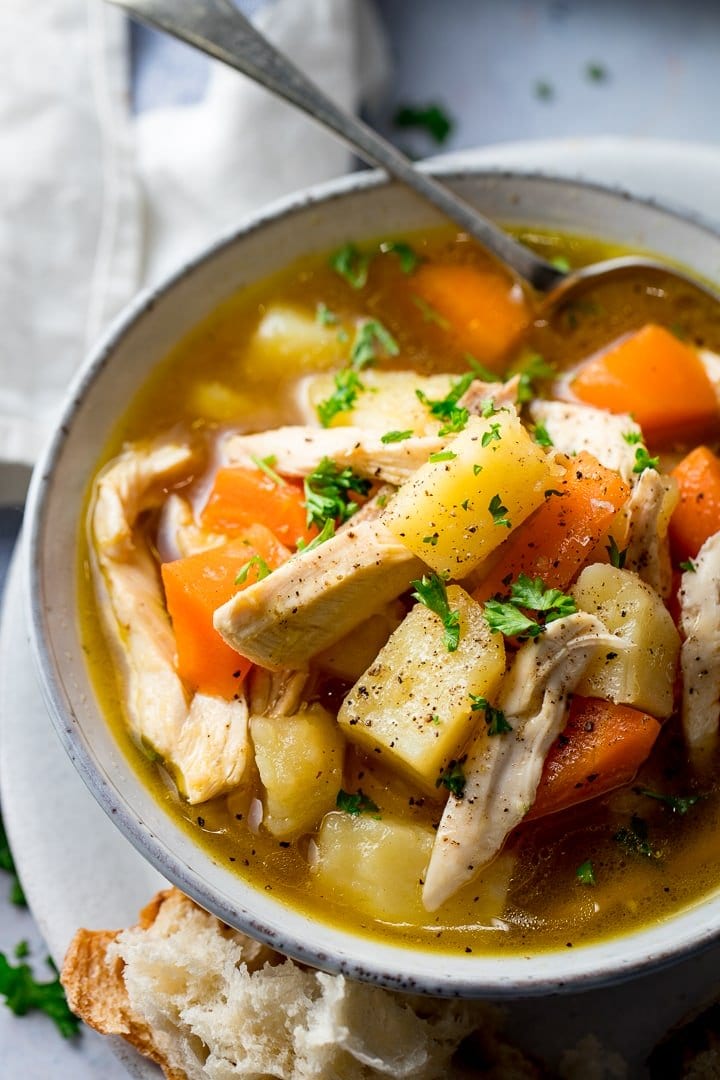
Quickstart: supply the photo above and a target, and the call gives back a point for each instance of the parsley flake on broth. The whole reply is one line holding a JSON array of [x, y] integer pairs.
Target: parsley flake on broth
[[420, 497]]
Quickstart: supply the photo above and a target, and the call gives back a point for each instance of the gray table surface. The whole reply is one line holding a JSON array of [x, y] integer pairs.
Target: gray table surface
[[504, 71]]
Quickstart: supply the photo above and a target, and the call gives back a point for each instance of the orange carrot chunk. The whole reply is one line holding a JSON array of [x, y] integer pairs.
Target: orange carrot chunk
[[602, 747], [242, 497], [557, 539], [194, 588], [657, 378], [697, 514], [484, 311]]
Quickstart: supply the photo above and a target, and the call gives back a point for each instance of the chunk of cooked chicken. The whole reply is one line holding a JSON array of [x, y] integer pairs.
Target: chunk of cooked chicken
[[502, 772], [179, 535], [700, 653], [203, 742], [299, 450], [502, 395], [317, 596], [573, 428], [647, 515]]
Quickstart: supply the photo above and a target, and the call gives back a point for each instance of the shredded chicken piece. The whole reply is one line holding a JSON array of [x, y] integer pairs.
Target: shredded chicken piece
[[276, 693], [204, 742], [299, 450], [700, 653], [178, 533], [502, 394], [317, 596], [647, 514], [573, 428], [502, 772]]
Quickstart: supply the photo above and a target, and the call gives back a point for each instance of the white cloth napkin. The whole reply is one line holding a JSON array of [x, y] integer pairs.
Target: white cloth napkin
[[95, 204]]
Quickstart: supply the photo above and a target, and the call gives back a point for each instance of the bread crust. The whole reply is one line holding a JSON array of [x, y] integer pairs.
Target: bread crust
[[96, 990]]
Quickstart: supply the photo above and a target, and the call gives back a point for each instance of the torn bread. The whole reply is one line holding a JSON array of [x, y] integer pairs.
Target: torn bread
[[207, 1003]]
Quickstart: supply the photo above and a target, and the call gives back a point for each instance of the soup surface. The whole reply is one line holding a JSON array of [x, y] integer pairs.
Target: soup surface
[[455, 551]]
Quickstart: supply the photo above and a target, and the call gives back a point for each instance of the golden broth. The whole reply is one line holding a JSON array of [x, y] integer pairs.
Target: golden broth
[[209, 379]]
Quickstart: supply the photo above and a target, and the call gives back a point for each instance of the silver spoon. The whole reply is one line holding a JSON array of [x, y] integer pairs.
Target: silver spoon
[[217, 28]]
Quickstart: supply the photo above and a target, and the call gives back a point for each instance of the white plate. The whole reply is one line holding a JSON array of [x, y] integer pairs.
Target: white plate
[[78, 870]]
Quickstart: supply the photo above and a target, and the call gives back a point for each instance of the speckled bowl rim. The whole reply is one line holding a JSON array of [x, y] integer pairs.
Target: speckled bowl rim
[[396, 967]]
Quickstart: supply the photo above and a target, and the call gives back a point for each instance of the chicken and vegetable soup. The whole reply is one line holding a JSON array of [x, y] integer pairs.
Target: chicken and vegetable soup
[[405, 601]]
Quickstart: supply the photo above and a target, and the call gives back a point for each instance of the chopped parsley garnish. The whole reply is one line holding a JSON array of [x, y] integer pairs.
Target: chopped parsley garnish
[[370, 338], [541, 435], [447, 408], [494, 718], [431, 118], [585, 873], [480, 371], [488, 409], [325, 316], [263, 570], [688, 566], [443, 455], [488, 436], [326, 533], [21, 950], [505, 616], [632, 437], [643, 460], [7, 863], [429, 313], [452, 777], [407, 256], [544, 90], [477, 469], [533, 595], [532, 370], [561, 263], [327, 490], [266, 465], [23, 993], [351, 264], [499, 512], [432, 539], [396, 436], [635, 839], [347, 387], [596, 72], [431, 592], [616, 556], [679, 804], [356, 802]]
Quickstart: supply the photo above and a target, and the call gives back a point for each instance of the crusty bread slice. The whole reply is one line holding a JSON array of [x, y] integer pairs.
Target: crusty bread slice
[[207, 1003]]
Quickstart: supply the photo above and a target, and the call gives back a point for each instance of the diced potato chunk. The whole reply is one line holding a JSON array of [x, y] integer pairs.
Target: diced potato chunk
[[291, 338], [453, 512], [412, 709], [389, 401], [645, 676], [300, 760], [355, 652], [375, 866], [218, 401]]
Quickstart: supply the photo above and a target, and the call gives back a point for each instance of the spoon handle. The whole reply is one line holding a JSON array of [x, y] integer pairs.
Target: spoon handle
[[217, 28]]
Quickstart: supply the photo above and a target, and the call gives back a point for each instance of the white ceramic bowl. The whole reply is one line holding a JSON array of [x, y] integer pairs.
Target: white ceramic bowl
[[355, 207]]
